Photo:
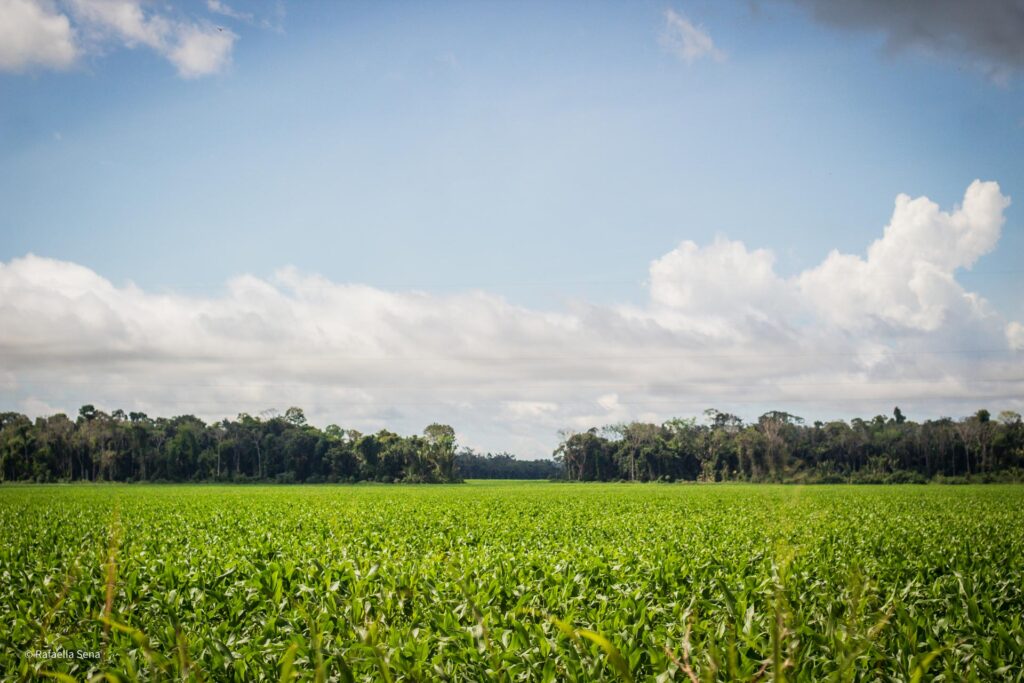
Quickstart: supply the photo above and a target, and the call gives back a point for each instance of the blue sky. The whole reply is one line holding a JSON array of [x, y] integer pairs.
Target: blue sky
[[543, 153]]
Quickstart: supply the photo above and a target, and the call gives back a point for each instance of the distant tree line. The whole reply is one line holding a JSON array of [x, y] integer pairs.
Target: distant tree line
[[471, 465], [780, 447], [120, 446]]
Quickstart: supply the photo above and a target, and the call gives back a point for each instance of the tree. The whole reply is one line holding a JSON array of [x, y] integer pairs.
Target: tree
[[441, 444], [295, 417], [582, 455], [966, 429], [16, 441], [55, 435], [252, 427], [140, 429], [773, 425], [983, 434]]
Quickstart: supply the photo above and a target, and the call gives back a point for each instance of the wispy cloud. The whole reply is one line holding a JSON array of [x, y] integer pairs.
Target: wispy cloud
[[226, 10], [687, 41], [854, 334]]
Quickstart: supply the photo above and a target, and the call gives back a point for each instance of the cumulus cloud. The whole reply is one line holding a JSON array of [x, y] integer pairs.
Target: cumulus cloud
[[54, 35], [690, 43], [34, 34], [908, 278], [854, 335], [987, 34], [704, 287]]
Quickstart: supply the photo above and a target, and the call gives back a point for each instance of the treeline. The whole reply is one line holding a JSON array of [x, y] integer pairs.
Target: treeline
[[120, 446], [471, 465], [780, 447]]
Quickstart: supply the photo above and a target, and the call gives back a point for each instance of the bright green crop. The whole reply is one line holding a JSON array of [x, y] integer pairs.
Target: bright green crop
[[512, 581]]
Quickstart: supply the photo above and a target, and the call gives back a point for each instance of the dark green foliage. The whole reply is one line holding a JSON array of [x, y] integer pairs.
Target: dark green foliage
[[472, 465], [780, 448], [282, 449], [776, 448]]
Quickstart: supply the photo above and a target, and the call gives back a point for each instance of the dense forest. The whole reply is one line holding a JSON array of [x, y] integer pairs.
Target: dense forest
[[134, 447], [471, 465], [120, 446], [781, 447]]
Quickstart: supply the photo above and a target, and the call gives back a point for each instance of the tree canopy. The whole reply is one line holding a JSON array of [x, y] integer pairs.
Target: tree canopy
[[97, 446], [780, 447]]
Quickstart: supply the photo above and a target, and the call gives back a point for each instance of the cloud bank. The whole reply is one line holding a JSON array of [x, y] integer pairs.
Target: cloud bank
[[54, 35], [854, 335], [986, 34]]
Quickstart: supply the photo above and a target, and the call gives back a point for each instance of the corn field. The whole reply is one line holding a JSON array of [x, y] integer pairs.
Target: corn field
[[512, 581]]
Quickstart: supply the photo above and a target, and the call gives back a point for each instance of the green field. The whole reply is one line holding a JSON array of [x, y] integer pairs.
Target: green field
[[513, 581]]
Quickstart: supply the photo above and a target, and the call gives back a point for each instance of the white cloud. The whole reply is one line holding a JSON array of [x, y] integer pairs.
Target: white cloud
[[1015, 335], [908, 278], [54, 36], [195, 49], [202, 50], [34, 406], [701, 287], [123, 19], [34, 34], [854, 335], [688, 42], [520, 410]]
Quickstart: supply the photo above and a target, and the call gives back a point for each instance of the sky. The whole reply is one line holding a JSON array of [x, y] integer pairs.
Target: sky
[[520, 219]]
